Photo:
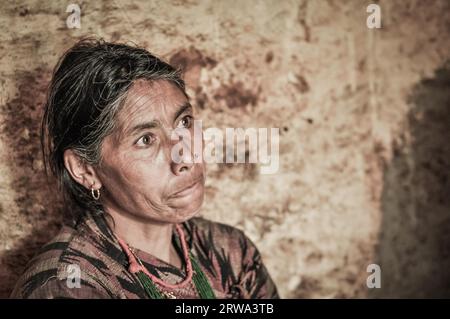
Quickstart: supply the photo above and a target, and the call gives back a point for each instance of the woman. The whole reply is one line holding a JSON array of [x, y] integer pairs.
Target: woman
[[107, 137]]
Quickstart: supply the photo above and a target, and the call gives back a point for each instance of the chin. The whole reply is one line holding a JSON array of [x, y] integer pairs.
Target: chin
[[180, 215], [186, 206]]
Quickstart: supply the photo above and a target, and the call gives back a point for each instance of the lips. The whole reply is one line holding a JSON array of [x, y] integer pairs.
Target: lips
[[187, 189]]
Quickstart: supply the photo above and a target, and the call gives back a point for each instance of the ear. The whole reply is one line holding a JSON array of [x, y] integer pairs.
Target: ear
[[82, 172]]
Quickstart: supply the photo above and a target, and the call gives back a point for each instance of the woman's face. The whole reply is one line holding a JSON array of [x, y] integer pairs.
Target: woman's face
[[138, 175]]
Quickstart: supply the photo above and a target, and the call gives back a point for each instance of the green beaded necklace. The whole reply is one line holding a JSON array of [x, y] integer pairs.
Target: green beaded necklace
[[147, 280], [200, 281]]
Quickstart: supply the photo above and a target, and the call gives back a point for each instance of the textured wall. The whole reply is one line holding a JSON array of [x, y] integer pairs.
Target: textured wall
[[364, 116]]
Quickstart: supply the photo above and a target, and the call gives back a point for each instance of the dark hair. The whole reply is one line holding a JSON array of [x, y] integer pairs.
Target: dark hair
[[87, 90]]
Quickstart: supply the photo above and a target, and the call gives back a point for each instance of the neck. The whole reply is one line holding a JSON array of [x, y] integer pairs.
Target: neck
[[151, 237]]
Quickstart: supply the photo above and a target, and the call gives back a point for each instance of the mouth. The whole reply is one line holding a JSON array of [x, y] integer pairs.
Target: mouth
[[188, 189]]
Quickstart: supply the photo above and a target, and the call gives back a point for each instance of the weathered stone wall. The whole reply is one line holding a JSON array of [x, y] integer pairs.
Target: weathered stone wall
[[364, 116]]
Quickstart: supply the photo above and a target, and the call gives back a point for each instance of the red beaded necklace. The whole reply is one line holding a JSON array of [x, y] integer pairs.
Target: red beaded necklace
[[135, 266]]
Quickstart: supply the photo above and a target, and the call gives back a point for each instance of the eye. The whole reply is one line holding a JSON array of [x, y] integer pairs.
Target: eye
[[145, 140], [186, 121]]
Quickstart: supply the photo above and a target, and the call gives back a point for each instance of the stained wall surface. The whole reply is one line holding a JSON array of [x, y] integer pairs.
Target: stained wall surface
[[364, 118]]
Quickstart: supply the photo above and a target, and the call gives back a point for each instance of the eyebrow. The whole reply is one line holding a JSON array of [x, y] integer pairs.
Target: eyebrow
[[186, 106], [155, 123]]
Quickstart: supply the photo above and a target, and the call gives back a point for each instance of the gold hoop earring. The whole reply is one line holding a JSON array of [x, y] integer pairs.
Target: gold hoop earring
[[95, 193]]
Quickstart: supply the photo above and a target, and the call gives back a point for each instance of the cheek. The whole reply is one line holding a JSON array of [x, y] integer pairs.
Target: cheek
[[134, 178]]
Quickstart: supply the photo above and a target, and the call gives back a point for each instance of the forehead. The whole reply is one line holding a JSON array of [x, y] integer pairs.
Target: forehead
[[158, 99]]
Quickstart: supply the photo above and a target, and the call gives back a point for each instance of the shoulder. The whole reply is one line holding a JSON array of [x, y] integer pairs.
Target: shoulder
[[67, 261], [233, 256]]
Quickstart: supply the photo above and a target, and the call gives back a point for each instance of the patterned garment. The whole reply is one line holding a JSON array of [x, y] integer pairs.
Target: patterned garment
[[230, 261]]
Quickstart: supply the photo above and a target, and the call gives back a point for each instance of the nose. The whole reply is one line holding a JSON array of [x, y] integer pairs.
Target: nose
[[183, 162], [184, 167]]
